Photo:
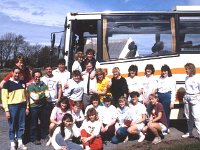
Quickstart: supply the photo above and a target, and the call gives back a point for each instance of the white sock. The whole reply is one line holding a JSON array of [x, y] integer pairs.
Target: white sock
[[141, 134], [20, 142], [12, 144]]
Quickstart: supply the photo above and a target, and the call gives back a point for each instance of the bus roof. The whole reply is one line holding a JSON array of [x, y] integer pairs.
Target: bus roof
[[187, 8]]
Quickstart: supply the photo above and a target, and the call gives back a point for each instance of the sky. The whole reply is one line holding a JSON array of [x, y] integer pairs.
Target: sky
[[36, 19]]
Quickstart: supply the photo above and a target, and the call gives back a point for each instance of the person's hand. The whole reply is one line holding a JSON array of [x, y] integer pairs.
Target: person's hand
[[7, 114], [63, 148], [171, 106], [84, 140], [27, 111], [66, 85]]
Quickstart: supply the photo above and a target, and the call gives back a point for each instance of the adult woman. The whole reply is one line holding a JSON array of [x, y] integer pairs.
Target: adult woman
[[166, 90], [192, 100]]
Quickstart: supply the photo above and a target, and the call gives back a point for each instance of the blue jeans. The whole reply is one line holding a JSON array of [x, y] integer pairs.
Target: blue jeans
[[165, 100], [17, 120], [37, 131], [68, 143], [120, 136]]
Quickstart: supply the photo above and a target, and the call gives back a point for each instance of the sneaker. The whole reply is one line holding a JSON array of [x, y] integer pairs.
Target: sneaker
[[22, 147], [187, 135], [126, 140], [141, 137], [87, 148], [37, 142], [48, 142], [156, 140], [12, 148]]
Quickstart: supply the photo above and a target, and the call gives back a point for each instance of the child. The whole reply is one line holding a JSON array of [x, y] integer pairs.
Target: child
[[157, 121], [75, 89], [120, 127], [77, 114], [57, 115], [78, 58], [62, 136], [138, 116], [108, 119], [94, 103], [90, 131]]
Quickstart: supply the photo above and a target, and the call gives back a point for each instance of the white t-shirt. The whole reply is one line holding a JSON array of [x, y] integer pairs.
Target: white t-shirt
[[62, 76], [167, 84], [149, 85], [69, 133], [75, 90], [108, 114], [136, 111], [76, 66], [122, 114], [93, 83], [93, 128], [98, 109], [52, 83], [192, 84]]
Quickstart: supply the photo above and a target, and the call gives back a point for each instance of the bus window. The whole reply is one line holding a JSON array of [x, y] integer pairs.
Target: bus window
[[144, 29], [189, 33]]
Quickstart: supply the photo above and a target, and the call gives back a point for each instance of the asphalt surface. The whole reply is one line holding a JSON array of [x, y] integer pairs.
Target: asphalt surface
[[177, 129]]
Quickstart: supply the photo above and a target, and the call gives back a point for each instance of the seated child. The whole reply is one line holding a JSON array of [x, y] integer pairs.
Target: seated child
[[157, 121], [137, 115], [90, 131], [77, 114], [121, 133], [108, 119], [62, 136], [56, 116]]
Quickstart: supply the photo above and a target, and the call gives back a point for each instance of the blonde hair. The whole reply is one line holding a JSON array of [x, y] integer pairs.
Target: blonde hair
[[115, 69], [78, 55]]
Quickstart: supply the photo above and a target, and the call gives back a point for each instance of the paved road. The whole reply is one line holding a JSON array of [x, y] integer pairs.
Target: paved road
[[176, 132]]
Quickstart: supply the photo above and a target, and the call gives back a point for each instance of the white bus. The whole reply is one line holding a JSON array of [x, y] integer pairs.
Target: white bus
[[110, 33]]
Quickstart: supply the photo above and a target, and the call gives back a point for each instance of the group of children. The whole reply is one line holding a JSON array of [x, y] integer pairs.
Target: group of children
[[105, 123], [89, 108]]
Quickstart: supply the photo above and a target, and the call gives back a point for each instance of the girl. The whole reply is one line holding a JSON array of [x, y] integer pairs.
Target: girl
[[78, 60], [102, 85], [94, 103], [90, 131], [108, 119], [133, 81], [120, 126], [149, 86], [62, 136], [157, 121], [57, 115], [166, 91], [75, 90], [137, 115], [77, 114]]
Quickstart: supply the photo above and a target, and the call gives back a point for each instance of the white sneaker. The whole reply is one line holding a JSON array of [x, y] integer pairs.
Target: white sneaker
[[22, 147], [187, 135], [156, 140], [126, 140], [48, 142], [141, 137], [87, 148], [12, 148]]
